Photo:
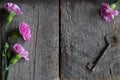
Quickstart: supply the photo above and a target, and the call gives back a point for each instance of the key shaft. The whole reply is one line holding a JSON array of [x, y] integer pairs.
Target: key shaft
[[91, 66]]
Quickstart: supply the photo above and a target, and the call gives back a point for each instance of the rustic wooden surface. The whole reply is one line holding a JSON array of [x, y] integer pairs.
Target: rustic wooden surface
[[81, 36], [82, 39], [42, 16]]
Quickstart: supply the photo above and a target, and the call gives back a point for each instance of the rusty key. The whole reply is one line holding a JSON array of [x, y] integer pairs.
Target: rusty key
[[110, 41]]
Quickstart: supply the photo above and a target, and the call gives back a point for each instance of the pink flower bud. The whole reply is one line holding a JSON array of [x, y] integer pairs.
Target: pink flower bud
[[107, 13], [18, 48], [13, 8], [24, 30]]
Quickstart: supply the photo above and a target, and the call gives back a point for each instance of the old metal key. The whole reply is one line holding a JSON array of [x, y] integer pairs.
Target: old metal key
[[110, 41]]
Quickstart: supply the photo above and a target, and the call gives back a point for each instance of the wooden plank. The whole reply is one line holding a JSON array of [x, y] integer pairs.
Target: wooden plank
[[42, 16], [82, 39]]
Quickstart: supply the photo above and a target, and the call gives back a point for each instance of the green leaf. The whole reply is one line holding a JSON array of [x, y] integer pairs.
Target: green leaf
[[15, 59], [14, 35], [113, 6], [8, 54], [10, 17], [6, 46]]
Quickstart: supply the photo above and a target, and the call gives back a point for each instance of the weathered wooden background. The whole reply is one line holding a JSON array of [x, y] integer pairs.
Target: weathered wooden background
[[82, 39], [42, 16], [64, 41]]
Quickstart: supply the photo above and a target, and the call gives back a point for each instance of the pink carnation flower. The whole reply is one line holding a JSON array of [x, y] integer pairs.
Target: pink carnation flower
[[18, 48], [24, 30], [13, 8], [107, 13]]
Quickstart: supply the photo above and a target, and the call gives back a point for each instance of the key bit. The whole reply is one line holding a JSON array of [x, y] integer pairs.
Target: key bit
[[111, 40]]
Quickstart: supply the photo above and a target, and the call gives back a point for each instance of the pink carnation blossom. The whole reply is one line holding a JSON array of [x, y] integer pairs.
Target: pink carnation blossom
[[13, 8], [24, 30], [18, 48], [107, 13]]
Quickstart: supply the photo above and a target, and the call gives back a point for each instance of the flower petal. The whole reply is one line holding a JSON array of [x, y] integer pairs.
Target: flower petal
[[19, 49], [106, 5], [24, 30], [107, 13], [13, 8], [115, 12], [108, 18]]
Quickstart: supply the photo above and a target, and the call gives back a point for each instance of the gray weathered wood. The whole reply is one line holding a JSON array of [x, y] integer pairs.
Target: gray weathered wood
[[42, 16], [82, 39]]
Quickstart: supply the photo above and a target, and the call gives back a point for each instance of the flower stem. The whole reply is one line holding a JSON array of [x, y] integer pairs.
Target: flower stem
[[7, 72], [114, 1], [3, 66], [4, 52]]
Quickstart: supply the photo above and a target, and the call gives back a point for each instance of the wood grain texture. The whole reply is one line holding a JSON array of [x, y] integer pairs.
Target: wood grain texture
[[42, 16], [82, 39]]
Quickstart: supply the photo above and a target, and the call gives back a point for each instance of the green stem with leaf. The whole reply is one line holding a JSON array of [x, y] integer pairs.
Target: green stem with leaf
[[5, 45]]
